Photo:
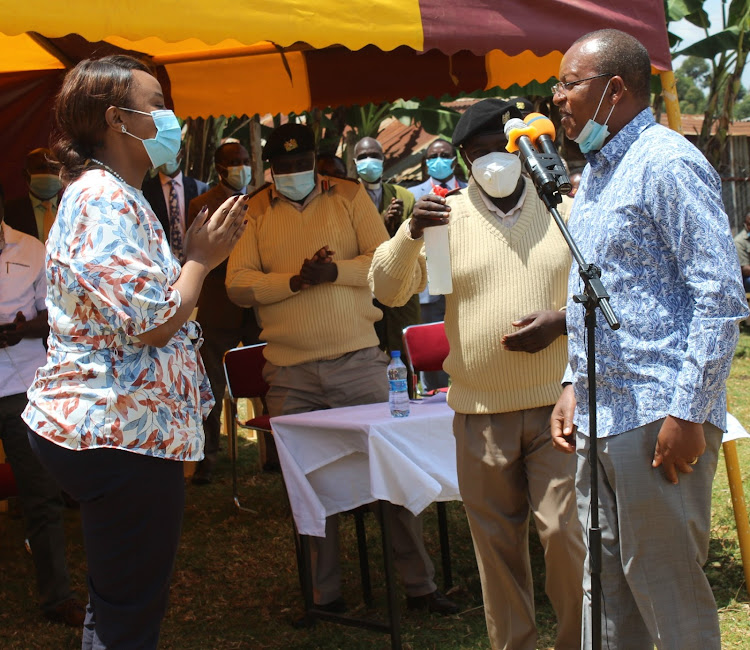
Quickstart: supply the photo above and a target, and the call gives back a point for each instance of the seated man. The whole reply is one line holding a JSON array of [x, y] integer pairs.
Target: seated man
[[302, 263]]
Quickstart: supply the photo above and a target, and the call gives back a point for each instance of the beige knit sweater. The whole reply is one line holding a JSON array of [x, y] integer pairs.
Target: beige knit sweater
[[325, 321], [499, 275]]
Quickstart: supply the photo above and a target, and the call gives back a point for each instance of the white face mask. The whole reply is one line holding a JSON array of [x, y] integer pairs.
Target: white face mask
[[497, 173]]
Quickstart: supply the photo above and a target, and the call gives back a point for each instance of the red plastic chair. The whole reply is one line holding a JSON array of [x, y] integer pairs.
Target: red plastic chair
[[426, 348], [243, 368]]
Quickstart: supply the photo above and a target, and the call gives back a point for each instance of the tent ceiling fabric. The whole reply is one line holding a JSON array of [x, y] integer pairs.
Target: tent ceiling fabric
[[542, 26], [292, 55]]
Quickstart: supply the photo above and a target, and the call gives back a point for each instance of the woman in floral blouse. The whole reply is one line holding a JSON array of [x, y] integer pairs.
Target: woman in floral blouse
[[119, 403]]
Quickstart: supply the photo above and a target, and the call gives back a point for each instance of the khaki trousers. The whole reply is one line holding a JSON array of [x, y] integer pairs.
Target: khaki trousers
[[355, 378], [507, 467], [655, 539]]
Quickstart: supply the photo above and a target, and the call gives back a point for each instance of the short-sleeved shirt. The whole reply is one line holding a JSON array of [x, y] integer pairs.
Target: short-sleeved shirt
[[110, 276], [22, 288]]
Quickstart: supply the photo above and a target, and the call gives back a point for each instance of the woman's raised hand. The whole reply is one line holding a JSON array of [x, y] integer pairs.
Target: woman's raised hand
[[211, 238]]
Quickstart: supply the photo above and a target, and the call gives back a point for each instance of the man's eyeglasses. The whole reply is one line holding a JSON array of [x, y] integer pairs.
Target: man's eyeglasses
[[563, 87]]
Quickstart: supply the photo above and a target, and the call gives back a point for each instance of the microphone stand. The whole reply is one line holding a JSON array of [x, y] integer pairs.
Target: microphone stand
[[549, 177]]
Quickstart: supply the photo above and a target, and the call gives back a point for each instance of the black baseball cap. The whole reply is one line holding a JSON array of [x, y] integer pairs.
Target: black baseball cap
[[487, 116]]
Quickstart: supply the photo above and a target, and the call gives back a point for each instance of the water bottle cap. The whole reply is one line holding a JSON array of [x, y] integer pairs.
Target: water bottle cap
[[395, 354]]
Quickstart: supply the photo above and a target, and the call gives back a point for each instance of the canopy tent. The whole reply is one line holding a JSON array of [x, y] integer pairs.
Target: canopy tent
[[292, 55]]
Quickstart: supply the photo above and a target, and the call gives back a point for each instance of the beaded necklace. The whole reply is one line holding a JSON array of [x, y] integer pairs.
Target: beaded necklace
[[109, 169]]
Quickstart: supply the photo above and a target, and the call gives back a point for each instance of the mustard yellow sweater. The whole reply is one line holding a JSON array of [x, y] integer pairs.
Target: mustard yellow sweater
[[325, 321], [499, 275]]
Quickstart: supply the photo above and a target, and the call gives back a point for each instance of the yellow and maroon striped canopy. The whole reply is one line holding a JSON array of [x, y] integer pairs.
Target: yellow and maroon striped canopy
[[272, 56], [226, 58]]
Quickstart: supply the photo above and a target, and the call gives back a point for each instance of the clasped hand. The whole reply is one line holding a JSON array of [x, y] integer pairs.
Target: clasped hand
[[393, 215], [318, 270]]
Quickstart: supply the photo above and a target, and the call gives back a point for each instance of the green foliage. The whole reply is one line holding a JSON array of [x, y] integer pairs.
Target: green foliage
[[726, 52], [689, 77], [742, 108]]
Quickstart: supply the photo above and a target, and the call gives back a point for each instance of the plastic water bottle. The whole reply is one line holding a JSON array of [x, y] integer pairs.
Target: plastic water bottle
[[438, 252], [398, 394]]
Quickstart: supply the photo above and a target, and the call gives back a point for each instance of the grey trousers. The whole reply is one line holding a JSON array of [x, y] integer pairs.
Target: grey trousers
[[654, 544], [355, 378], [508, 468], [41, 503]]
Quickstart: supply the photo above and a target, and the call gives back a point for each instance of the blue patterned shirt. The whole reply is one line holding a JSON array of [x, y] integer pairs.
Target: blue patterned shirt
[[649, 214]]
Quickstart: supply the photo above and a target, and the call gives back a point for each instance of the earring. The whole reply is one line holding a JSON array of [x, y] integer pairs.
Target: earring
[[124, 130]]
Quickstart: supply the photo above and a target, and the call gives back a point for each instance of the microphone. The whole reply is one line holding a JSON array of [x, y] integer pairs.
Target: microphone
[[519, 139], [544, 139], [546, 169]]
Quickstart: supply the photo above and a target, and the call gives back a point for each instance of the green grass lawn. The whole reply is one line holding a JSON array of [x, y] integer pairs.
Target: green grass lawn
[[236, 586]]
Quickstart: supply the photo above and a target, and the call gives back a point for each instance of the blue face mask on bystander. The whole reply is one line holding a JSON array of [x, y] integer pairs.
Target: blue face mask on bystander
[[440, 168], [370, 169]]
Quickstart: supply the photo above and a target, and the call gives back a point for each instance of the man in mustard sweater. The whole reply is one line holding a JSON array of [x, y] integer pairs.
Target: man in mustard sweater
[[302, 263], [504, 323]]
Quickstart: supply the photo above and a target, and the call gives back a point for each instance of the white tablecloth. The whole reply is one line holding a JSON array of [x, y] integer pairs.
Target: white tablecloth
[[339, 459]]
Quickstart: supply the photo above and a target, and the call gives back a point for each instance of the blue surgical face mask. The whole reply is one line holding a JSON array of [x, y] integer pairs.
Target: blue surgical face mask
[[593, 134], [169, 168], [440, 168], [295, 186], [45, 186], [166, 145], [238, 176], [370, 169]]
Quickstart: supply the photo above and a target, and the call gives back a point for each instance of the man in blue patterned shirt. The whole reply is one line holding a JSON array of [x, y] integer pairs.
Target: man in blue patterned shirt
[[649, 214]]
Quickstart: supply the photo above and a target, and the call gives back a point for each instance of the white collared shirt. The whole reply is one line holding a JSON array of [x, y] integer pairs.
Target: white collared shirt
[[506, 219], [22, 288]]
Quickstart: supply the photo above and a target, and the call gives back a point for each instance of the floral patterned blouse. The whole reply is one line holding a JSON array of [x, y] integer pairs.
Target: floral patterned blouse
[[110, 274]]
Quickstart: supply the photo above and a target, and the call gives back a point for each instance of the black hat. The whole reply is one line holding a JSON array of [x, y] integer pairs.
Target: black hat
[[487, 116], [289, 139]]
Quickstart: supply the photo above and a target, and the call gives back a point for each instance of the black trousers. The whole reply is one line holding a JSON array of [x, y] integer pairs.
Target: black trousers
[[41, 503], [131, 514]]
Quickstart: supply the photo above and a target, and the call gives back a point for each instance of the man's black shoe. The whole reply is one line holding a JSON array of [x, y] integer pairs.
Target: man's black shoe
[[70, 612], [436, 602], [337, 606]]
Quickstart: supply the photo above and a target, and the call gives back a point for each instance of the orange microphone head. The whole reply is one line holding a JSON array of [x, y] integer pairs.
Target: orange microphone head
[[539, 125]]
